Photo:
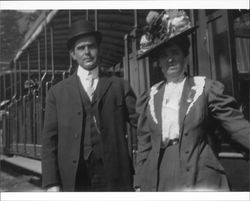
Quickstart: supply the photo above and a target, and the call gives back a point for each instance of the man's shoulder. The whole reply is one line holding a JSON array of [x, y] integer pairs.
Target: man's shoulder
[[61, 84], [115, 79]]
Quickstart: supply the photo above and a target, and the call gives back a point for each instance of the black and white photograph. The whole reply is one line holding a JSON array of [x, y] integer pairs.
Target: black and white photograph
[[124, 101]]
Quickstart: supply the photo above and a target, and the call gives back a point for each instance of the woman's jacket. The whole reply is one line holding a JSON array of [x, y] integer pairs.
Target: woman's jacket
[[202, 107]]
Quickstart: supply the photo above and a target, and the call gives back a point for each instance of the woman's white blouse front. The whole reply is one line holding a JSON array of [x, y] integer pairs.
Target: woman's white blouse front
[[170, 110]]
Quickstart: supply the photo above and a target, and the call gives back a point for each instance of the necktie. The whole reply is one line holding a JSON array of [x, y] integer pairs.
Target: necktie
[[90, 87]]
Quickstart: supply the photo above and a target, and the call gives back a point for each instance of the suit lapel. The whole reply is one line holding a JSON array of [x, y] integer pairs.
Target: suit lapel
[[74, 91], [102, 88]]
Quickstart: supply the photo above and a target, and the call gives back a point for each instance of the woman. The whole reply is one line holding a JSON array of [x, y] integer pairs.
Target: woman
[[178, 117]]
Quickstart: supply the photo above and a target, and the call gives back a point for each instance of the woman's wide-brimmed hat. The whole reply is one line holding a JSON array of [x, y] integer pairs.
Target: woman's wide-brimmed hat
[[81, 28], [163, 28]]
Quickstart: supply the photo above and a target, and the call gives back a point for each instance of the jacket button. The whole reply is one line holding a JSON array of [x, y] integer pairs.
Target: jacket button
[[186, 134], [74, 161], [187, 151], [187, 169], [79, 112]]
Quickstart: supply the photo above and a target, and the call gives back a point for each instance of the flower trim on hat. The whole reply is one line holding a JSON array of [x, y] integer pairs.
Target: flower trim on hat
[[154, 89], [196, 91], [163, 26]]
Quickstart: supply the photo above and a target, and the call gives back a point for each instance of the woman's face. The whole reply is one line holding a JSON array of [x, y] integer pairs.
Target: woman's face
[[172, 61]]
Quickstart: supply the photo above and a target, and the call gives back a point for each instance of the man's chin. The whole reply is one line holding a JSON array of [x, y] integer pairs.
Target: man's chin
[[89, 67]]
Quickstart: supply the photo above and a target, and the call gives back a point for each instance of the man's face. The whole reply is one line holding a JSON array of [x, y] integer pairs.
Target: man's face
[[85, 52]]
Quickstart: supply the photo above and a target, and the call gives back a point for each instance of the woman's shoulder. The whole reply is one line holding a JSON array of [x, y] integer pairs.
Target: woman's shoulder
[[157, 86], [144, 97], [208, 84]]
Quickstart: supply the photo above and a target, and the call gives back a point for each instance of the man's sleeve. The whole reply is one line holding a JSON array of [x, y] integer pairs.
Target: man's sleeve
[[130, 100], [143, 138], [50, 173]]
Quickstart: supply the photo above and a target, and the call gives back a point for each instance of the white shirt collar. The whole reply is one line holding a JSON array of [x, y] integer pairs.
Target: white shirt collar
[[83, 73]]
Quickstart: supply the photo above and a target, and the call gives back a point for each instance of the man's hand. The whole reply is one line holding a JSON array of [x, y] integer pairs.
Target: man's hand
[[53, 189]]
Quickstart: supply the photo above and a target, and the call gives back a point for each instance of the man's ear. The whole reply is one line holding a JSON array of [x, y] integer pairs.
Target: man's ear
[[72, 54]]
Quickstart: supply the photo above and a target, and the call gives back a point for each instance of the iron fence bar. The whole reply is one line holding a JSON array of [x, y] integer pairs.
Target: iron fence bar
[[49, 83], [42, 91], [52, 52], [5, 129], [67, 73], [37, 95], [20, 78], [26, 96], [15, 108], [11, 84], [20, 105], [15, 81], [28, 63]]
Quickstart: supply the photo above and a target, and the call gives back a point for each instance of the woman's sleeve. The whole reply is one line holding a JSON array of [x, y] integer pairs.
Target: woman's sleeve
[[143, 137], [225, 110]]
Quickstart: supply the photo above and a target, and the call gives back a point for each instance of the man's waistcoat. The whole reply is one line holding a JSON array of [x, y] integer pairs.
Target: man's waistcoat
[[91, 136]]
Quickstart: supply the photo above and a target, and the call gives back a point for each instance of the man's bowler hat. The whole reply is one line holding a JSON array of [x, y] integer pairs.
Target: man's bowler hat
[[81, 28]]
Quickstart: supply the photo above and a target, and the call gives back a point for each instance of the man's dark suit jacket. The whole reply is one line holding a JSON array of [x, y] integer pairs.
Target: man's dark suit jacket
[[62, 132]]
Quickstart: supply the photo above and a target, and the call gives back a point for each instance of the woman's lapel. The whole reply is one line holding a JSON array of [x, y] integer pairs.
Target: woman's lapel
[[185, 101], [158, 105]]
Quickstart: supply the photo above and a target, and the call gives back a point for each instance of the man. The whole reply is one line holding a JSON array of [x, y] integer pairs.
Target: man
[[84, 143]]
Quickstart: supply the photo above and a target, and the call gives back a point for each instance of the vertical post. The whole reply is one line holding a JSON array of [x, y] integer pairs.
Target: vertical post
[[27, 108], [232, 53], [126, 58], [134, 56], [70, 59], [96, 20], [36, 111], [135, 19], [69, 70], [45, 48], [194, 56], [43, 89], [87, 15], [37, 94], [52, 53]]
